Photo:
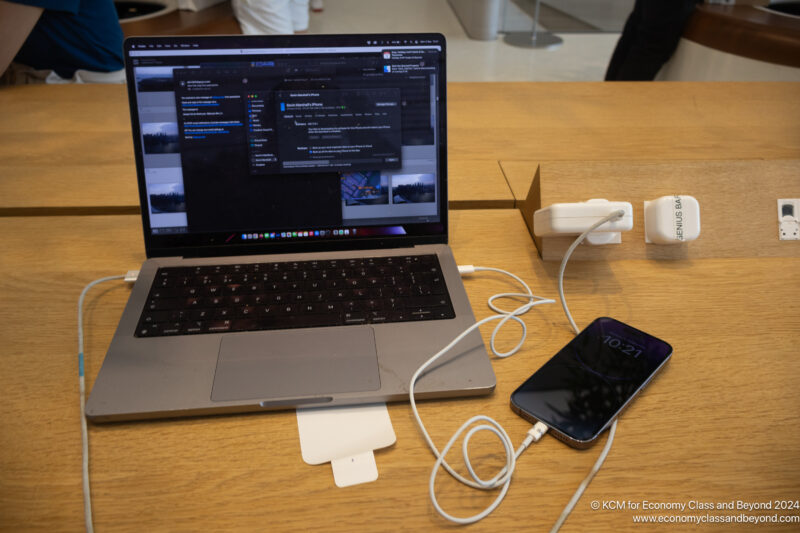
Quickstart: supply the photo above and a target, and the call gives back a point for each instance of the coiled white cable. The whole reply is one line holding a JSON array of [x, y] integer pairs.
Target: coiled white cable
[[502, 479]]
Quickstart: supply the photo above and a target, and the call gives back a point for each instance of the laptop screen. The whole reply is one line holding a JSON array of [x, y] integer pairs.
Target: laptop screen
[[259, 144]]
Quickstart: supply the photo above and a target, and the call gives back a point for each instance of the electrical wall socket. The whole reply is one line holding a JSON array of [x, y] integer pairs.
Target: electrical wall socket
[[789, 219]]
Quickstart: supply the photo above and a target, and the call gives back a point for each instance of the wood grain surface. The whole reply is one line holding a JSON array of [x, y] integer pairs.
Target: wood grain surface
[[719, 424], [624, 120], [53, 138], [68, 150], [738, 203]]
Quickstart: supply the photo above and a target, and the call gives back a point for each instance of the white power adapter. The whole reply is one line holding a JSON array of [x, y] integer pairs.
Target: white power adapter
[[575, 218], [671, 219]]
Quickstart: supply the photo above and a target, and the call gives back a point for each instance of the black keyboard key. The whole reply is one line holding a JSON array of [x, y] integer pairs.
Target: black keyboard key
[[244, 324], [155, 317], [442, 313], [171, 292], [254, 288], [214, 301], [372, 305], [149, 330], [399, 316], [211, 290], [316, 321], [426, 301], [286, 309], [401, 291], [314, 285], [378, 316], [234, 301], [420, 313], [361, 293], [201, 314], [186, 292], [351, 318], [224, 312], [267, 310], [219, 326], [318, 296], [172, 328], [194, 326], [331, 308], [176, 315], [353, 305], [164, 304]]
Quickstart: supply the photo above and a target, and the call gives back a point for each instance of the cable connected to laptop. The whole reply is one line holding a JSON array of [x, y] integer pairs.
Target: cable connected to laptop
[[502, 479], [130, 277]]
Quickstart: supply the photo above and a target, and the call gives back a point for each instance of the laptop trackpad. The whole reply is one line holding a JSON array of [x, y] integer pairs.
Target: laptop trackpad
[[296, 364]]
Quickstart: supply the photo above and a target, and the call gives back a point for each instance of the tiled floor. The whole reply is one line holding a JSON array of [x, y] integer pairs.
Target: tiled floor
[[582, 56]]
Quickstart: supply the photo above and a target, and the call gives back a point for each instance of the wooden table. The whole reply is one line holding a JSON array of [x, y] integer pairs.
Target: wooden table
[[718, 425], [740, 182], [626, 121], [738, 203], [68, 149]]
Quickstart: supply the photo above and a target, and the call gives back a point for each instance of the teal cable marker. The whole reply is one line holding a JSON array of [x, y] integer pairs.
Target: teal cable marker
[[87, 497]]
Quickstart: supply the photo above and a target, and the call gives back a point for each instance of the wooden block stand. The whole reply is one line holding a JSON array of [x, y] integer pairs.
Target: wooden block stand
[[738, 205]]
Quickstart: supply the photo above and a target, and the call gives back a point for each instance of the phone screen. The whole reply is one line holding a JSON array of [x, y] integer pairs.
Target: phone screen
[[580, 390]]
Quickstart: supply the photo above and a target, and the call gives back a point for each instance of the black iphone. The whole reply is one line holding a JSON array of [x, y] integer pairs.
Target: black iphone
[[581, 390]]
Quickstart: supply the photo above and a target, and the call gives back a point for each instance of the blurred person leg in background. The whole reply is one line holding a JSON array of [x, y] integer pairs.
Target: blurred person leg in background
[[64, 41], [299, 10], [271, 17], [649, 39]]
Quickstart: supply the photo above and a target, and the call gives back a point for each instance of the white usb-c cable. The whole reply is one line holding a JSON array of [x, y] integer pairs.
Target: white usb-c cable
[[87, 496], [502, 479], [613, 429]]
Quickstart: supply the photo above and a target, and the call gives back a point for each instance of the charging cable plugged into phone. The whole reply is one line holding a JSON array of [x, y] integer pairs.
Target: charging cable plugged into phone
[[621, 358], [596, 375]]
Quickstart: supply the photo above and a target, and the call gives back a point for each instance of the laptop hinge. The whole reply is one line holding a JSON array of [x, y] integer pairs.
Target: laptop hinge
[[293, 248]]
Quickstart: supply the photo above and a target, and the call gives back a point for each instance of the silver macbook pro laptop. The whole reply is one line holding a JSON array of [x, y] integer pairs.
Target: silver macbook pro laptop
[[294, 202]]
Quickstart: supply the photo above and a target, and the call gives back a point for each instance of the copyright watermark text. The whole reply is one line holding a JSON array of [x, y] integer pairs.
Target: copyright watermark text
[[705, 512]]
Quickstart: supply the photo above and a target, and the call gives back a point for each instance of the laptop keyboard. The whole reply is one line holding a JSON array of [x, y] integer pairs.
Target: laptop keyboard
[[263, 296]]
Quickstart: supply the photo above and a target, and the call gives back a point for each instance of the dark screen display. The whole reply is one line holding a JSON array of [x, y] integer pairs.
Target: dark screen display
[[271, 144], [585, 385]]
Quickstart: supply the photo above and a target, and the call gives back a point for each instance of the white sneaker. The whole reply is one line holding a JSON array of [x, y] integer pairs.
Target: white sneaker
[[316, 6]]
